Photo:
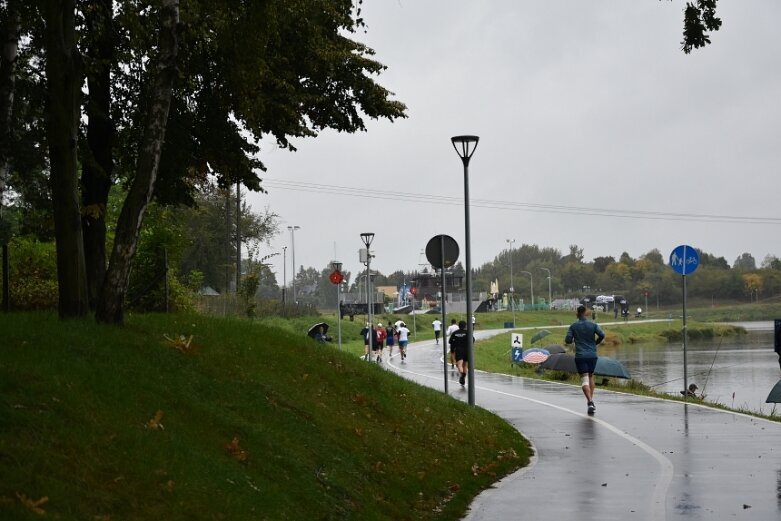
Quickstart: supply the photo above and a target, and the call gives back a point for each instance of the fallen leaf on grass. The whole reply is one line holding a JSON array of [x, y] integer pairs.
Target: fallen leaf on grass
[[181, 343], [154, 423], [35, 506], [234, 449]]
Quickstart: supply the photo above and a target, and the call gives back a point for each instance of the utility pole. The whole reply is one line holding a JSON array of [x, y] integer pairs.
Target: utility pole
[[293, 255], [550, 299], [511, 242]]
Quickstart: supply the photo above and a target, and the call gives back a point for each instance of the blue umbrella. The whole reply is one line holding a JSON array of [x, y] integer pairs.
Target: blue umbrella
[[607, 366], [555, 348]]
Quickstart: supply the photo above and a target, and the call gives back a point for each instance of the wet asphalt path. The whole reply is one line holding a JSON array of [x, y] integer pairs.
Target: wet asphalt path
[[638, 458]]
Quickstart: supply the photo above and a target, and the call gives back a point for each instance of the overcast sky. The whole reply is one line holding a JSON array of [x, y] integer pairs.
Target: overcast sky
[[579, 106]]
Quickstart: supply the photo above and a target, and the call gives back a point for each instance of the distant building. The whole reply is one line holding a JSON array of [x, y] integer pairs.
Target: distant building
[[428, 287]]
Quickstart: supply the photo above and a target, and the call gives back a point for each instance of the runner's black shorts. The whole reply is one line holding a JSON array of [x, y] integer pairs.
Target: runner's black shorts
[[585, 365]]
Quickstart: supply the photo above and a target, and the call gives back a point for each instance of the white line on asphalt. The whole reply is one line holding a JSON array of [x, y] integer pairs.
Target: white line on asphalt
[[663, 481]]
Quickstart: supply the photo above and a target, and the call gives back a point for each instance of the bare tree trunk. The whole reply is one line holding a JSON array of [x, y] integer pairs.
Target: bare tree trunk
[[98, 161], [64, 89], [110, 307], [9, 45]]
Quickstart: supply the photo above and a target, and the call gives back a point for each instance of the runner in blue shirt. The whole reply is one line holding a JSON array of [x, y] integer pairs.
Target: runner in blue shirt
[[587, 336]]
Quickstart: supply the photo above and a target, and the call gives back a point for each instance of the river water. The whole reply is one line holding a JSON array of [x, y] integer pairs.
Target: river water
[[736, 371]]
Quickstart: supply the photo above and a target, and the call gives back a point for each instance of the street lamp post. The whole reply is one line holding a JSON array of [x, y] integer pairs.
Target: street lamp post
[[511, 242], [367, 239], [293, 256], [550, 299], [531, 279], [465, 146], [284, 278]]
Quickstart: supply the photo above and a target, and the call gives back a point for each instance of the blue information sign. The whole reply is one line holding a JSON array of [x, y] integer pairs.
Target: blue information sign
[[517, 354], [684, 260]]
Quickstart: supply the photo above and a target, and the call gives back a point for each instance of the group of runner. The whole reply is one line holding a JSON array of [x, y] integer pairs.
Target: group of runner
[[376, 337], [585, 334]]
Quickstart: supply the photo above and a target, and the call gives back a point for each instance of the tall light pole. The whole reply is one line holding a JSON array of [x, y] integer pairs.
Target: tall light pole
[[293, 255], [367, 239], [531, 278], [511, 242], [284, 278], [465, 146], [550, 300]]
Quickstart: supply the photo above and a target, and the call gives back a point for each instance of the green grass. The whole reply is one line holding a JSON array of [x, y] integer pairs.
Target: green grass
[[320, 435]]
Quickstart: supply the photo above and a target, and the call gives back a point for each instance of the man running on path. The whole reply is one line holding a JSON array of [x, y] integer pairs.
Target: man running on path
[[437, 325], [458, 341], [390, 338], [452, 328], [403, 333], [587, 336]]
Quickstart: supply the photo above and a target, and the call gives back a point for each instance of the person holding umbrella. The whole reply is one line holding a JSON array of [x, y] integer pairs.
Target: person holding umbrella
[[587, 336]]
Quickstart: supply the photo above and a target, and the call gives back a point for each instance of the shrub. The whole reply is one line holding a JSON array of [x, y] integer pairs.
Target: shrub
[[32, 274]]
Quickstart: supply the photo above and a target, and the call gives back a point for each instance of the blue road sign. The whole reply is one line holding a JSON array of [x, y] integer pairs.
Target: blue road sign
[[517, 355], [684, 260]]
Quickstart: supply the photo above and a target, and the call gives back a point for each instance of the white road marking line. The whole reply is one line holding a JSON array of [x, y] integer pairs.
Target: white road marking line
[[663, 481]]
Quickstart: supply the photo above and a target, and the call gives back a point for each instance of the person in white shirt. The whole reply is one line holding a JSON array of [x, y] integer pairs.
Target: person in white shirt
[[452, 328], [437, 324], [403, 333]]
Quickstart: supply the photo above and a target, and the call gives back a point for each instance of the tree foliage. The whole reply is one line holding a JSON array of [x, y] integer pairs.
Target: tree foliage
[[699, 19], [176, 90]]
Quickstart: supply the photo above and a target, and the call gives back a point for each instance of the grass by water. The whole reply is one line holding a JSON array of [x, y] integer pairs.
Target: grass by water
[[246, 421]]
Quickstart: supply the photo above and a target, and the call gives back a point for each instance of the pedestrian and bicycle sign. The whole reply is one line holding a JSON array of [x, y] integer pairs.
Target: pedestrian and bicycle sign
[[516, 348], [684, 260]]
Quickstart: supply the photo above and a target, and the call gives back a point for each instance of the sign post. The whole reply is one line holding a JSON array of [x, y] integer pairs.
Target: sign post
[[777, 339], [516, 348], [336, 279], [442, 252], [684, 260]]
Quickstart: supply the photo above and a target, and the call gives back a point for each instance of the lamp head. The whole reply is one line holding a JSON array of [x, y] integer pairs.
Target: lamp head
[[465, 146], [367, 238], [336, 265]]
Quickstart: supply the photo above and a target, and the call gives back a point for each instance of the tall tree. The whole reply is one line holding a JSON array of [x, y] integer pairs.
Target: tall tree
[[110, 308], [601, 263], [745, 261], [63, 75], [10, 27], [212, 249], [98, 155]]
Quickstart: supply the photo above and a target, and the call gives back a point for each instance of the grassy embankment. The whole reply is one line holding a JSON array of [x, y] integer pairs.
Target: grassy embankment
[[249, 422]]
